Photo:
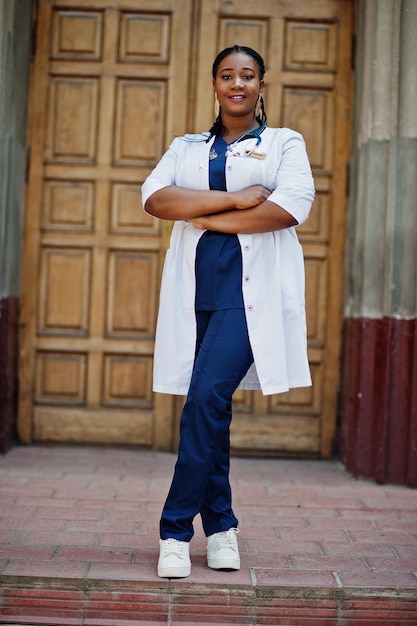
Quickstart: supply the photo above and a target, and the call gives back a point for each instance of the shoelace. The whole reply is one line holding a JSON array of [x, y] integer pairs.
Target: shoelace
[[227, 539], [173, 546]]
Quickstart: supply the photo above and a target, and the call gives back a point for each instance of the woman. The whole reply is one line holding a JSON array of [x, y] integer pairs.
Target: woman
[[232, 296]]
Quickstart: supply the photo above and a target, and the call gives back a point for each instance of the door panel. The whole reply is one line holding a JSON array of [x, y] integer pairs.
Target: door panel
[[112, 83], [105, 84]]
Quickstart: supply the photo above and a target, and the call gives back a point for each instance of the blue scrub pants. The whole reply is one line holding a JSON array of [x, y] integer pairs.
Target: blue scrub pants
[[201, 478]]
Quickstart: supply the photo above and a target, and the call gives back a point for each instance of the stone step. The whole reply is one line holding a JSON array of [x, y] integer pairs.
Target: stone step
[[51, 602]]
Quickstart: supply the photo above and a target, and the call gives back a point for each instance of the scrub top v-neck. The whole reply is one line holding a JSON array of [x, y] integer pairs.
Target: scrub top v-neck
[[218, 264]]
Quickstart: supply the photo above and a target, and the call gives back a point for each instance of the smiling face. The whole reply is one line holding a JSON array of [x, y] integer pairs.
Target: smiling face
[[238, 85]]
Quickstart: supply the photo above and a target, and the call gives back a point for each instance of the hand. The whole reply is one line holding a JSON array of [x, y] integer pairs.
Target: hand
[[250, 196], [197, 222]]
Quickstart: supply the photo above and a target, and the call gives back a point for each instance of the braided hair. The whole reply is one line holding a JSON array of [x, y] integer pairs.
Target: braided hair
[[218, 128]]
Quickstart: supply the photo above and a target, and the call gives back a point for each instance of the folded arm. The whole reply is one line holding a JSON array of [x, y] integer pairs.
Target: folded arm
[[179, 203], [265, 217]]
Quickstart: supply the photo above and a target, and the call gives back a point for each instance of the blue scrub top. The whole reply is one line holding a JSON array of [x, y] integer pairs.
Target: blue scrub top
[[218, 263]]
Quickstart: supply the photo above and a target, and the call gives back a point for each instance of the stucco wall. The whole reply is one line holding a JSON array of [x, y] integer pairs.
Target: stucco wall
[[379, 397], [15, 23], [15, 30]]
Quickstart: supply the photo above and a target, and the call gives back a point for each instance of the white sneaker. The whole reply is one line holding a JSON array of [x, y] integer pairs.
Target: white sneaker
[[174, 559], [223, 551]]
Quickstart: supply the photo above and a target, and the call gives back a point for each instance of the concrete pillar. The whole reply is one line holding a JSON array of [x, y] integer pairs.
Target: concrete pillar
[[15, 21], [379, 395]]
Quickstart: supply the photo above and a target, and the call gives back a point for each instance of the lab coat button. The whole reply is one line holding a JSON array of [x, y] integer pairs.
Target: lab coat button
[[249, 307], [229, 167], [246, 279]]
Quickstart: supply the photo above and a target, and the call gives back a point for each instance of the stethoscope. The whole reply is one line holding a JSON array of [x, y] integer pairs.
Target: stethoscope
[[233, 150]]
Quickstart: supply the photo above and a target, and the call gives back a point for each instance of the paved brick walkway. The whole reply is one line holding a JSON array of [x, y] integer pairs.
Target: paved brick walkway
[[79, 544]]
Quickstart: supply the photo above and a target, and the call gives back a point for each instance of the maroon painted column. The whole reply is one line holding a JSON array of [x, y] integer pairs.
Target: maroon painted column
[[379, 363], [379, 426], [9, 326]]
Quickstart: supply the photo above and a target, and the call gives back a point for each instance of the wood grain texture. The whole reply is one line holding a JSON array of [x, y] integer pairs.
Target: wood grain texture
[[111, 85]]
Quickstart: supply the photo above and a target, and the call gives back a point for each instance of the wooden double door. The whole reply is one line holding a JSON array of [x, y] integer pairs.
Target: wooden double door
[[112, 82]]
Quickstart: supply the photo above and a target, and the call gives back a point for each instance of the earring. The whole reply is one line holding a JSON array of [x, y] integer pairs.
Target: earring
[[258, 107], [216, 107]]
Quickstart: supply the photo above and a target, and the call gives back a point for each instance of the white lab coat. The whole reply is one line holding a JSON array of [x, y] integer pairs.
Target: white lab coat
[[273, 264]]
